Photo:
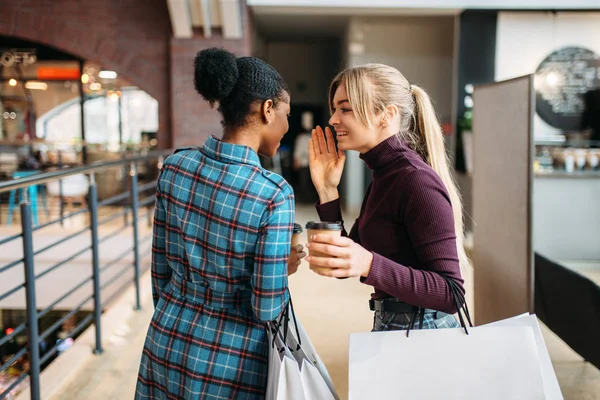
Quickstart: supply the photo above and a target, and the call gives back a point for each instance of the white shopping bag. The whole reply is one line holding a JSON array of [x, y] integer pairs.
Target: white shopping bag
[[551, 386], [284, 381], [290, 383], [296, 371], [307, 353], [492, 363], [275, 367], [313, 383]]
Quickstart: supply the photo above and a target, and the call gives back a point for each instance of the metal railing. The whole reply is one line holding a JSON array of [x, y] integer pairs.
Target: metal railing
[[129, 205]]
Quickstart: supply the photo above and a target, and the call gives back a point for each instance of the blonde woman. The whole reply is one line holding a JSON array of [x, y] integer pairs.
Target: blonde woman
[[407, 240]]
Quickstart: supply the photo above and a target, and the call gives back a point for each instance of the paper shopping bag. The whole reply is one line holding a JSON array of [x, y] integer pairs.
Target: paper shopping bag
[[275, 366], [297, 338], [283, 381], [296, 371], [492, 363], [313, 383], [551, 387]]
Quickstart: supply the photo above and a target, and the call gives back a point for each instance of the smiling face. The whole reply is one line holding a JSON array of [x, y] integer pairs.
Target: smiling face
[[350, 132]]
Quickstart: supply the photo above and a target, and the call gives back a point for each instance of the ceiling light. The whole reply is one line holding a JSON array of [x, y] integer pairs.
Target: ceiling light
[[85, 78], [552, 78], [107, 74], [33, 85], [12, 82]]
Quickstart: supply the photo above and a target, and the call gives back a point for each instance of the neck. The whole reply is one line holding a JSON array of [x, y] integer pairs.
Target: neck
[[382, 137], [242, 136]]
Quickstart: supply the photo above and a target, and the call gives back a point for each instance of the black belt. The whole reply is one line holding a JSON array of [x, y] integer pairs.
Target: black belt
[[391, 305]]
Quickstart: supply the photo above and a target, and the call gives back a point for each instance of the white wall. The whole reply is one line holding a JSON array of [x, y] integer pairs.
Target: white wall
[[436, 4], [524, 40], [422, 48], [566, 218]]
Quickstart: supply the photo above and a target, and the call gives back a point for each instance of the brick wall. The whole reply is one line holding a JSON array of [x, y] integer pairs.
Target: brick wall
[[193, 119], [133, 38], [130, 37]]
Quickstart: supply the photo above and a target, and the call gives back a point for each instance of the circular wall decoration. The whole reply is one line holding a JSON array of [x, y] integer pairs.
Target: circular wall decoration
[[561, 81]]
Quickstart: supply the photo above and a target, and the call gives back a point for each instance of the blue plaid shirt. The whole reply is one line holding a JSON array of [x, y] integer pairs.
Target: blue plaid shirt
[[225, 222], [222, 238]]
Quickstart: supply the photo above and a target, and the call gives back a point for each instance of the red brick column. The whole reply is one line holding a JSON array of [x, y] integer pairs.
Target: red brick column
[[133, 38]]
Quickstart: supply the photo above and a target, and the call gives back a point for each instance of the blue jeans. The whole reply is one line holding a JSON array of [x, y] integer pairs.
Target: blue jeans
[[386, 321]]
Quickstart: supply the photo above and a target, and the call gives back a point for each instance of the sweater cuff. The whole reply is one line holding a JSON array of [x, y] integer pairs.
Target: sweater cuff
[[330, 211], [376, 272]]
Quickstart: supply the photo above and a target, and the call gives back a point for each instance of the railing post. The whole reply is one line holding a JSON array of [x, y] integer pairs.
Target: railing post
[[134, 217], [93, 194], [33, 338], [126, 213], [60, 191], [151, 206]]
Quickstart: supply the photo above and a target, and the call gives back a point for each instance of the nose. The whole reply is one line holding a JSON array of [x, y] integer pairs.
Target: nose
[[334, 120]]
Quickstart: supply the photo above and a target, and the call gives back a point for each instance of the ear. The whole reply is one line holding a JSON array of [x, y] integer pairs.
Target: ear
[[391, 112], [267, 111], [388, 115]]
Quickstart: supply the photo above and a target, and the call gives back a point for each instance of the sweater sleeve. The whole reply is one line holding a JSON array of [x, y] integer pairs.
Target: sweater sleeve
[[332, 211], [427, 214]]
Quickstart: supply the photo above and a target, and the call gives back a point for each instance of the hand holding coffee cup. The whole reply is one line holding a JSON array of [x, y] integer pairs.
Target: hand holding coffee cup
[[321, 228], [332, 255], [297, 251], [296, 255], [297, 235]]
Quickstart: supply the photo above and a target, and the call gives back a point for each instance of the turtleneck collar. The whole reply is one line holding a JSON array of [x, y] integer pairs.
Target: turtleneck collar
[[385, 153]]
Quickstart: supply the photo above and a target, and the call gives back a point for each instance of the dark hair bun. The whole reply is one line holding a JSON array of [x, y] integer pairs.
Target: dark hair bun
[[215, 73]]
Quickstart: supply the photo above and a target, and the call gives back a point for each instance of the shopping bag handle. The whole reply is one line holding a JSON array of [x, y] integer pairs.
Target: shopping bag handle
[[283, 322], [461, 308]]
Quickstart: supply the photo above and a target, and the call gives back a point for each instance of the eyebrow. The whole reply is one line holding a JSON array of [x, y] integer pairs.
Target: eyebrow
[[339, 103]]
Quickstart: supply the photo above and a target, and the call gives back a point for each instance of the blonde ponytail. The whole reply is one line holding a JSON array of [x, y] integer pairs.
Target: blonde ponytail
[[427, 128], [371, 89]]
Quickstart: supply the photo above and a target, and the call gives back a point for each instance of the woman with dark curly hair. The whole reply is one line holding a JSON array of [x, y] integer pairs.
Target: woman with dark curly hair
[[221, 247]]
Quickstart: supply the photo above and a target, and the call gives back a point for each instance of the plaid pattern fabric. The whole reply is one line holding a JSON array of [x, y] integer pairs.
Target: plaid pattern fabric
[[222, 233], [386, 321]]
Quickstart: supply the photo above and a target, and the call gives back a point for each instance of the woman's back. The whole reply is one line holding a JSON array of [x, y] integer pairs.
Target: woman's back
[[221, 242], [217, 199]]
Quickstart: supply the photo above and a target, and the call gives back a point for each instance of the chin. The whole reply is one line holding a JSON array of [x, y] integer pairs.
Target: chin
[[344, 146]]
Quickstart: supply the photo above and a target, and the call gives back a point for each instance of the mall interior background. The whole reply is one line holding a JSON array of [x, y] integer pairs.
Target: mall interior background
[[92, 81]]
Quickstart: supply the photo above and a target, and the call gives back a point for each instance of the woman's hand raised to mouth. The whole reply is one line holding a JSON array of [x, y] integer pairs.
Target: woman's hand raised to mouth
[[326, 164]]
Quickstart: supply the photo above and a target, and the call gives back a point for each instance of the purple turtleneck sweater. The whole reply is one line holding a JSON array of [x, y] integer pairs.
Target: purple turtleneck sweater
[[406, 221]]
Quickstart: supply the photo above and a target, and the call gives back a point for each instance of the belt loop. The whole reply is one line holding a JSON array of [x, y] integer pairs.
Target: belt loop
[[207, 294], [237, 300], [183, 287]]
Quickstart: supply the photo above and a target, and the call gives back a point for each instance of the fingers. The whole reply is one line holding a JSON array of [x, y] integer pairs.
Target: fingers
[[330, 141], [325, 238], [327, 262], [297, 254], [330, 250], [312, 154], [321, 140], [333, 272]]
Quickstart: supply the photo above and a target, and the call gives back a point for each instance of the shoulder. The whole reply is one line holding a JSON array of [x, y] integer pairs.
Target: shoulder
[[278, 183], [178, 166], [424, 190], [179, 155]]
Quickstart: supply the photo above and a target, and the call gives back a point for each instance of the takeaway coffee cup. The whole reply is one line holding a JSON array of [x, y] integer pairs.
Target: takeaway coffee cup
[[297, 235], [330, 228]]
